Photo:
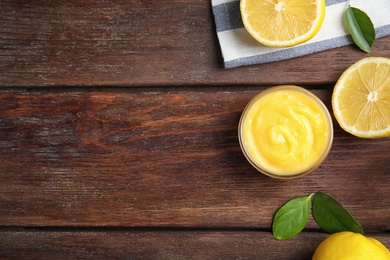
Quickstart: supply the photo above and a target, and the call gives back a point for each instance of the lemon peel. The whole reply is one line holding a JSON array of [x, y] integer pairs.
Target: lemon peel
[[349, 245]]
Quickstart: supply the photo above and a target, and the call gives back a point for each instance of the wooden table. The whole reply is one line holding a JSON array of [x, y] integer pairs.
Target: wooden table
[[118, 138]]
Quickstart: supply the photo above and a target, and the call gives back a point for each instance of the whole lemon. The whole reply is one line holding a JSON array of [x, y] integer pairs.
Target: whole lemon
[[349, 245]]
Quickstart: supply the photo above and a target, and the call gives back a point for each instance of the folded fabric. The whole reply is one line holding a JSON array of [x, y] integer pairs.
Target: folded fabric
[[240, 48]]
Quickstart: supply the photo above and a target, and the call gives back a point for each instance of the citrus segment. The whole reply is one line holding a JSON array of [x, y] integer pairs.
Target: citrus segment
[[361, 98], [282, 23], [349, 245]]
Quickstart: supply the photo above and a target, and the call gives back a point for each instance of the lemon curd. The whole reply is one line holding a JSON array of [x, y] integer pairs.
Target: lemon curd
[[285, 132]]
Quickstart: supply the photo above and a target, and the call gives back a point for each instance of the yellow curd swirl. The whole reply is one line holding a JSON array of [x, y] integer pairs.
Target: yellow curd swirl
[[286, 131]]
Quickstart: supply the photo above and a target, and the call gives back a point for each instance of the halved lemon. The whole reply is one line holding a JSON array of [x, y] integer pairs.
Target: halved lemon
[[361, 98], [282, 23]]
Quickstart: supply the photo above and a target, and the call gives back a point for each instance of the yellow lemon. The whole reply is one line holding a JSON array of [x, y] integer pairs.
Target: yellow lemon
[[282, 23], [361, 98], [348, 245]]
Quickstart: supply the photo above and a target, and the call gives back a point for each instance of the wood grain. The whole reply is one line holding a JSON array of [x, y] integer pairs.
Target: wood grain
[[162, 159], [118, 138], [139, 43], [160, 245]]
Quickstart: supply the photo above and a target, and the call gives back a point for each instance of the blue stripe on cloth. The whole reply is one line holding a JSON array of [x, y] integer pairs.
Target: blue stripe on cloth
[[227, 16], [333, 2], [298, 51], [382, 31], [285, 54]]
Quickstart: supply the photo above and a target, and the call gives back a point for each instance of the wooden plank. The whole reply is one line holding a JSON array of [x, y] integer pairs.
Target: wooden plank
[[141, 159], [160, 245], [139, 43]]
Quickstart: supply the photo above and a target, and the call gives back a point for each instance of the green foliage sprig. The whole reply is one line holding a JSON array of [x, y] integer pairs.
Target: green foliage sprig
[[361, 28], [329, 214]]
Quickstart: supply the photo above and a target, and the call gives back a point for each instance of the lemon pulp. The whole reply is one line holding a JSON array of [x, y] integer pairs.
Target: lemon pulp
[[282, 23], [361, 98]]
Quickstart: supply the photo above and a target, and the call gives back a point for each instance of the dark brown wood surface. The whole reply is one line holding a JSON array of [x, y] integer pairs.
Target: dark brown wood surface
[[138, 43], [118, 138], [141, 244]]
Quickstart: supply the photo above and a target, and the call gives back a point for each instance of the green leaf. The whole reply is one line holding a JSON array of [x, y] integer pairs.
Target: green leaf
[[331, 216], [361, 28], [291, 218]]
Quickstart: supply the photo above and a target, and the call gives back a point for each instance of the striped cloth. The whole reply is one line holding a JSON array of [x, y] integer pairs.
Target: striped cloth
[[239, 48]]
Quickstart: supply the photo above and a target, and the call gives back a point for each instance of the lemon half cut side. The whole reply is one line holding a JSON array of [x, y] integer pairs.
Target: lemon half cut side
[[361, 98], [282, 23]]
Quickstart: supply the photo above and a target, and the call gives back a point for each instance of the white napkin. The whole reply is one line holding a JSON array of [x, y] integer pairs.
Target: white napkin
[[239, 48]]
